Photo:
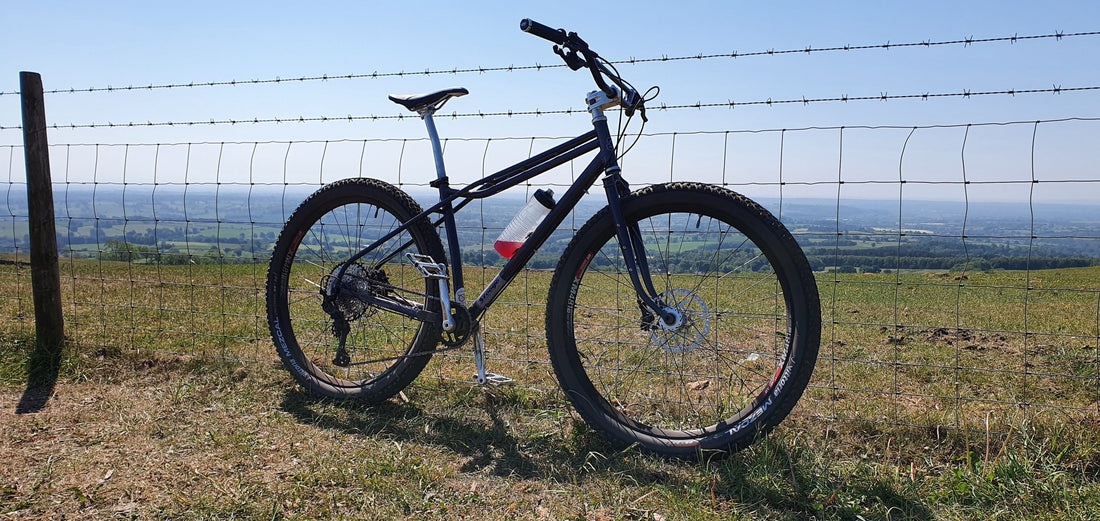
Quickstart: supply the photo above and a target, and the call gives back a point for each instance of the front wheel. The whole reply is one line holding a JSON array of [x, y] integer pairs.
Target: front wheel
[[742, 347]]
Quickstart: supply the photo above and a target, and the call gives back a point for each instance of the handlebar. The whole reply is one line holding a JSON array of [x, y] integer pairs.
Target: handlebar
[[557, 36], [569, 45]]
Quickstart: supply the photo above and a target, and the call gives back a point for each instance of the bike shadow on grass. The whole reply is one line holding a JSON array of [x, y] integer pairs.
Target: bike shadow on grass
[[474, 425], [479, 427]]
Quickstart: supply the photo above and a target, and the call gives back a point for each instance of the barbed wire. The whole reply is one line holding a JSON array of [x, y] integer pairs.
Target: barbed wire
[[881, 97], [766, 130], [966, 42], [729, 104]]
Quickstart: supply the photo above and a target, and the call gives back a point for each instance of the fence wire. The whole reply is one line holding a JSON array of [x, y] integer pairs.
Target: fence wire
[[957, 263], [966, 42], [699, 105]]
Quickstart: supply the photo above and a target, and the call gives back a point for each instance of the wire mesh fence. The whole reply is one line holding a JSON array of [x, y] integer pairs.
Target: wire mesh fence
[[956, 264]]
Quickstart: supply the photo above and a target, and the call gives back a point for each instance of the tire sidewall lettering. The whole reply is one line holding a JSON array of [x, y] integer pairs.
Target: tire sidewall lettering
[[756, 415], [575, 286], [284, 346], [774, 393]]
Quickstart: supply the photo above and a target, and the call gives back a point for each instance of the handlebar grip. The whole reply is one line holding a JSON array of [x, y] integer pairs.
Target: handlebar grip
[[528, 25]]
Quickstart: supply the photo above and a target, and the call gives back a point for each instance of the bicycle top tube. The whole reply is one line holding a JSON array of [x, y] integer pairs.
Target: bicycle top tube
[[508, 177], [497, 182]]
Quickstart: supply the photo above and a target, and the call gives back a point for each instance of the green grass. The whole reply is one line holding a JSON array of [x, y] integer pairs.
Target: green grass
[[935, 397]]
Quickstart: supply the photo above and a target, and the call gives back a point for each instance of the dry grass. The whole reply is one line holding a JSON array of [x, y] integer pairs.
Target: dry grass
[[131, 436], [934, 397]]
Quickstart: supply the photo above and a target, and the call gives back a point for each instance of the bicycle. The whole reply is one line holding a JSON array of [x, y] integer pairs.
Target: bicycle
[[682, 317]]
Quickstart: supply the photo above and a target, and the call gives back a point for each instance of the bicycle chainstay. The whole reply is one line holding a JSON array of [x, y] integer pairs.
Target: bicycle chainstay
[[344, 307]]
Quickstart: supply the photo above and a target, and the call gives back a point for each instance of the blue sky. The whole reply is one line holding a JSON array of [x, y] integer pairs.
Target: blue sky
[[84, 44]]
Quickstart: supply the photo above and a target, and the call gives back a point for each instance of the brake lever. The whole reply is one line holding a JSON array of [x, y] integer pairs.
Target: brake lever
[[571, 58], [632, 101]]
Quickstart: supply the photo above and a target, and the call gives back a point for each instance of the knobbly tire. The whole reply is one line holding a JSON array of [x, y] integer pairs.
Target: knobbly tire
[[384, 351], [739, 356]]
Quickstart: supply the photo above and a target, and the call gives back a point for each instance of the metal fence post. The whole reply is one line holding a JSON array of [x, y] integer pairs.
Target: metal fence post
[[45, 275]]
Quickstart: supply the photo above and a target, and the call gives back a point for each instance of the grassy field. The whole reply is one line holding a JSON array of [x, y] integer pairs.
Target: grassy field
[[936, 395]]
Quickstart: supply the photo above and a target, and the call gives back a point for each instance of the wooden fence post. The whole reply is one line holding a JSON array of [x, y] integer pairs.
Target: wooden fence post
[[49, 325]]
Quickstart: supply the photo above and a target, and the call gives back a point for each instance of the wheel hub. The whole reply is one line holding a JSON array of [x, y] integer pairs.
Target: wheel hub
[[342, 294], [689, 325], [672, 319]]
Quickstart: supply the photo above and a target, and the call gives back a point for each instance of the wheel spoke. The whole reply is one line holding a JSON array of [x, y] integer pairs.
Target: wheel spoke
[[313, 291], [726, 337]]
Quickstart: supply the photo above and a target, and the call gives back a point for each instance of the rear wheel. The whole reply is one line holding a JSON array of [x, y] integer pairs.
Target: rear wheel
[[742, 343], [333, 343]]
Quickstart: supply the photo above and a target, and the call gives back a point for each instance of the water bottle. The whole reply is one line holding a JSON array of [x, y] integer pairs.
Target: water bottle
[[524, 223]]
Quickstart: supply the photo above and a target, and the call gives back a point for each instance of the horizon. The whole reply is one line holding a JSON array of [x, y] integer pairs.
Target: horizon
[[988, 55], [421, 192]]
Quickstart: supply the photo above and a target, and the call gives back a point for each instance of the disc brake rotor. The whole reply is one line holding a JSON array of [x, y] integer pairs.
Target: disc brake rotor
[[690, 331]]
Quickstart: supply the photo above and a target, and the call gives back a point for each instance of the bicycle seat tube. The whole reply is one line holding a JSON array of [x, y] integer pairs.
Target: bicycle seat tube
[[442, 184]]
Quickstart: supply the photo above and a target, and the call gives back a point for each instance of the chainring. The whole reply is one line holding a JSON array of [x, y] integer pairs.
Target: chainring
[[463, 327]]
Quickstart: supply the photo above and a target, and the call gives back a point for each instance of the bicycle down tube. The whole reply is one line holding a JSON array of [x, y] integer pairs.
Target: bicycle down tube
[[615, 186]]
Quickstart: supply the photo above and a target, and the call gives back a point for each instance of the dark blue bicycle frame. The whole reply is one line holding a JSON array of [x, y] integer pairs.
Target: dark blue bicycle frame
[[614, 186]]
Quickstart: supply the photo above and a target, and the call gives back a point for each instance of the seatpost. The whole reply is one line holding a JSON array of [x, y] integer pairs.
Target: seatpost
[[437, 148]]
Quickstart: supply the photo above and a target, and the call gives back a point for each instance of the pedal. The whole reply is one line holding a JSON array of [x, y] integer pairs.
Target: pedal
[[493, 378], [427, 266]]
